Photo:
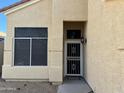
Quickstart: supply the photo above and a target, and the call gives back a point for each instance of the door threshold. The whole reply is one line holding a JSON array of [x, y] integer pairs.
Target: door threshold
[[73, 78]]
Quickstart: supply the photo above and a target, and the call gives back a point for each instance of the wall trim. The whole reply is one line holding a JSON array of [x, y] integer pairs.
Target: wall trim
[[17, 8]]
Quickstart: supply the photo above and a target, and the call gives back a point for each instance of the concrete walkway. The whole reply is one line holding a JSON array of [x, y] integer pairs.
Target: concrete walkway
[[74, 86], [26, 87]]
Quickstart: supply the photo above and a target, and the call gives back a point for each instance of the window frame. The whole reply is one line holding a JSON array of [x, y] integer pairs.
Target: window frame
[[29, 38]]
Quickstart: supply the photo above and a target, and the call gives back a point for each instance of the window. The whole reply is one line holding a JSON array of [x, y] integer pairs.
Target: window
[[73, 34], [30, 47]]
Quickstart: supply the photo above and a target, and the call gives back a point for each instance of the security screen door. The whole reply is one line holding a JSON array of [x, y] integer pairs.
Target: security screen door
[[73, 54], [73, 65]]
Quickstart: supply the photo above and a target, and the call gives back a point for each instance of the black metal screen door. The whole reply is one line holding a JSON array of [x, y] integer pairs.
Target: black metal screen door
[[73, 58]]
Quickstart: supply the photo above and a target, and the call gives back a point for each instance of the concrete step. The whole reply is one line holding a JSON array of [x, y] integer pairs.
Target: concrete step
[[74, 86]]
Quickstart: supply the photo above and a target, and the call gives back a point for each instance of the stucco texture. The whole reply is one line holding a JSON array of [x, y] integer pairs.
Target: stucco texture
[[36, 15], [104, 53]]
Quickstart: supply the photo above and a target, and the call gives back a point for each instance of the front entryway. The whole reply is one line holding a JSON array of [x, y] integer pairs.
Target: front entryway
[[73, 58], [74, 34]]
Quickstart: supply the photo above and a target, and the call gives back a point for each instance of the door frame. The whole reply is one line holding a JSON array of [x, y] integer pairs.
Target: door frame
[[81, 57]]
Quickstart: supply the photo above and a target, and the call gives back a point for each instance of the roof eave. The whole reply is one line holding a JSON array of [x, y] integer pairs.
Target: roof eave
[[18, 7]]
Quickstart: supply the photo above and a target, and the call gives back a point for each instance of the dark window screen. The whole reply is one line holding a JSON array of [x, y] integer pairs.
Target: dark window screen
[[39, 52], [73, 34], [30, 51], [22, 52], [30, 32]]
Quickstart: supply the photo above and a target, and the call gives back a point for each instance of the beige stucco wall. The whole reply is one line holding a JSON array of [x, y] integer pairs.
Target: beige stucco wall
[[46, 13], [113, 12], [105, 46], [36, 15], [63, 10]]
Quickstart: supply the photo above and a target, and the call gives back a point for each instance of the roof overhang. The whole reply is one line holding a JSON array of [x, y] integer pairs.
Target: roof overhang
[[18, 7]]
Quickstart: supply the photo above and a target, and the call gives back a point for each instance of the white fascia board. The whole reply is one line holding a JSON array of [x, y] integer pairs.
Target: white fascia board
[[17, 8]]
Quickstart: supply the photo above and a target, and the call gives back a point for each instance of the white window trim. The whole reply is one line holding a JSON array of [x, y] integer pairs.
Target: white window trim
[[29, 38], [17, 8], [30, 50]]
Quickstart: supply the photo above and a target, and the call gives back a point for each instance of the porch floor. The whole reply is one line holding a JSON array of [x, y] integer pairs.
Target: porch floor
[[74, 86]]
